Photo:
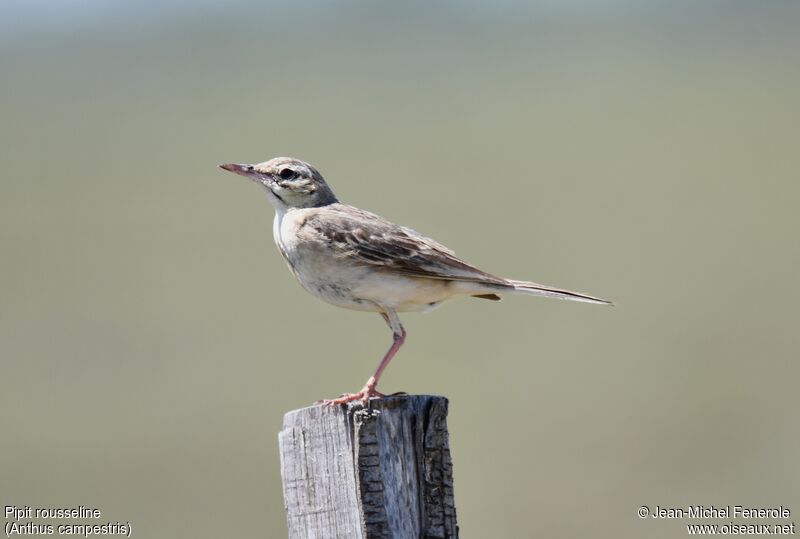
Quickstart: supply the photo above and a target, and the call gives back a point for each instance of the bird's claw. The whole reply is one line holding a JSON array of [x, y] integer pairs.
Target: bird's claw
[[364, 396]]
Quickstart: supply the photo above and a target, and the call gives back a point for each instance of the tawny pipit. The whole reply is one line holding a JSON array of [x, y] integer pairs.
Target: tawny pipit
[[358, 260]]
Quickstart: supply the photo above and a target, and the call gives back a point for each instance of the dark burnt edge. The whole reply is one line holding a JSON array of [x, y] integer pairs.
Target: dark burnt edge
[[366, 460], [436, 479]]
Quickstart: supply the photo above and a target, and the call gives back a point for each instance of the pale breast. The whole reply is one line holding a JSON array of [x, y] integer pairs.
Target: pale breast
[[314, 263]]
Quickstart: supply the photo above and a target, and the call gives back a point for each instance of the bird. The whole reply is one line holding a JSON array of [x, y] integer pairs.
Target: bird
[[358, 260]]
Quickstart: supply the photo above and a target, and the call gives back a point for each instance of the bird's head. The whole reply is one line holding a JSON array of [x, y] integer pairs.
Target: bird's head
[[290, 183]]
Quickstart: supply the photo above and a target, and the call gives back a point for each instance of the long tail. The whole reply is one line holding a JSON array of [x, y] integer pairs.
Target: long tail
[[525, 287]]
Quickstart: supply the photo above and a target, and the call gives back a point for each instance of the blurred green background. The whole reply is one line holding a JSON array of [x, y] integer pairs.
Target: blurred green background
[[151, 338]]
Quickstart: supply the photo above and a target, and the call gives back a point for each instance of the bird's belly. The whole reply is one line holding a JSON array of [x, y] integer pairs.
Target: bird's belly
[[403, 293], [338, 293], [367, 289], [331, 282]]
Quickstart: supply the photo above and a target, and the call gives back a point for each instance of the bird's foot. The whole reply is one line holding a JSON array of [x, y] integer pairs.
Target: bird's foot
[[364, 396]]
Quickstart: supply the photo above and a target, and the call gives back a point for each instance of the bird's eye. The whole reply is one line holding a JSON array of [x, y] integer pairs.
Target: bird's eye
[[286, 174]]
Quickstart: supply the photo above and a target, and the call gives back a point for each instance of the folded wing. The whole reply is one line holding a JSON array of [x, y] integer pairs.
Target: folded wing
[[371, 239]]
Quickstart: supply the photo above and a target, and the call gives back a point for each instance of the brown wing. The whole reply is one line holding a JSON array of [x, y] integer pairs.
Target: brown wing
[[371, 239]]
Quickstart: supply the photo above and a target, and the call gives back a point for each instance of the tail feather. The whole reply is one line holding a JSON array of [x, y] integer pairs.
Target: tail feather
[[534, 289]]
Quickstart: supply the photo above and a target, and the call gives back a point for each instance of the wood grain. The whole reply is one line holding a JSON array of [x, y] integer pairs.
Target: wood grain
[[363, 473]]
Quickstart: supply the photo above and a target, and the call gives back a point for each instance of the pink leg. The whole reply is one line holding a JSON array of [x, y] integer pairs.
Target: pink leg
[[368, 391]]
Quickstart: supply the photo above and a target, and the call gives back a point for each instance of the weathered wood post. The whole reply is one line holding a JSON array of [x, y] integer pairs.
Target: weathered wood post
[[362, 473]]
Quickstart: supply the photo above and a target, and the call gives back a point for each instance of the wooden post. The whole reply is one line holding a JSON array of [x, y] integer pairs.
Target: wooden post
[[361, 473]]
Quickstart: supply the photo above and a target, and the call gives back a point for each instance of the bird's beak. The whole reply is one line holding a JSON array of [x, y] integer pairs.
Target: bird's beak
[[243, 170]]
